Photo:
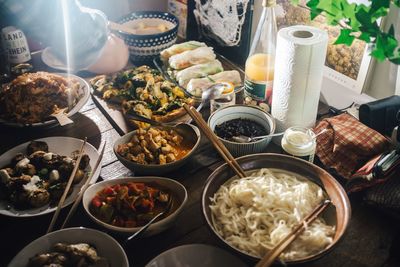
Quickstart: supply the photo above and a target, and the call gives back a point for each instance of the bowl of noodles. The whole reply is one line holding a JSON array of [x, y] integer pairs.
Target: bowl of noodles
[[251, 215]]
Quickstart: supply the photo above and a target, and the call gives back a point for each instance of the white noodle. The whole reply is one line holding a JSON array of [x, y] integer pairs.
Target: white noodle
[[254, 213]]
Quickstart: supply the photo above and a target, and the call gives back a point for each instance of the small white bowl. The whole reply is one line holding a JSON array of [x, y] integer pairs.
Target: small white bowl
[[177, 189], [244, 112], [105, 245]]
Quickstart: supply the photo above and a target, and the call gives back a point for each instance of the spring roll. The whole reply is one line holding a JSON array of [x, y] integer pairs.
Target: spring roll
[[179, 48], [198, 71], [190, 58], [197, 86]]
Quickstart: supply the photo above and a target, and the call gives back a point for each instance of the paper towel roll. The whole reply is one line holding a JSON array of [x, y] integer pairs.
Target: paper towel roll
[[300, 57]]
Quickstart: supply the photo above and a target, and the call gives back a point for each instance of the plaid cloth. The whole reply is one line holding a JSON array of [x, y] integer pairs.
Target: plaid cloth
[[347, 144]]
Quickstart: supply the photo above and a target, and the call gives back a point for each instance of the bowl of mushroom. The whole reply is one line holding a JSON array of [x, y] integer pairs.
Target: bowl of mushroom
[[157, 150]]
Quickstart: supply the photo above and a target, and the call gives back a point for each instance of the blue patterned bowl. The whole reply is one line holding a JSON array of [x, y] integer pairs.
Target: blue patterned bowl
[[146, 47]]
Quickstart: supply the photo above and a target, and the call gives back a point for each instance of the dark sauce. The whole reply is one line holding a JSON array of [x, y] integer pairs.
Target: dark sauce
[[236, 127]]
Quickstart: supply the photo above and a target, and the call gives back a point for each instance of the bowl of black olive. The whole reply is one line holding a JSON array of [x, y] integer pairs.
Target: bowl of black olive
[[237, 125]]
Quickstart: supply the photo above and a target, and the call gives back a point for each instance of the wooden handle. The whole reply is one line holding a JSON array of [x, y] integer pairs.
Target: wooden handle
[[270, 257], [83, 189], [67, 187], [219, 146]]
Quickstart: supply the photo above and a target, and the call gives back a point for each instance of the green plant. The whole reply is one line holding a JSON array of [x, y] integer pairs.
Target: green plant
[[359, 21]]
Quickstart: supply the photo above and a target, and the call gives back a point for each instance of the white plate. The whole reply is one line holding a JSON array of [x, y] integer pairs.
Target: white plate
[[61, 145], [105, 245], [84, 91], [196, 255], [52, 61]]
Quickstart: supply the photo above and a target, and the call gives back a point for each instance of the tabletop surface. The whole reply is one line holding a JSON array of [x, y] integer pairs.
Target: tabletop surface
[[372, 238]]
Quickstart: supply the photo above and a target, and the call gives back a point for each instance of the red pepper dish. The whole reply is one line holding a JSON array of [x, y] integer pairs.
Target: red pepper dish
[[129, 204]]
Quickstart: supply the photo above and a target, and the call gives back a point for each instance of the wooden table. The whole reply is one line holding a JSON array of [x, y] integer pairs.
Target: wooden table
[[372, 239]]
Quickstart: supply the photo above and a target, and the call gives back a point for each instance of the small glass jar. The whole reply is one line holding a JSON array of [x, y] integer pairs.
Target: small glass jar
[[227, 97], [299, 142]]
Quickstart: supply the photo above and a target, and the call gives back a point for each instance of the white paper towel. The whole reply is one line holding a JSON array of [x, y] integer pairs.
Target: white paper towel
[[300, 57]]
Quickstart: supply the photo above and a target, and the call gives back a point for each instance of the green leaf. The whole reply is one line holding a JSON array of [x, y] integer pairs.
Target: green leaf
[[379, 4], [345, 37], [294, 2], [331, 7], [365, 37], [397, 2]]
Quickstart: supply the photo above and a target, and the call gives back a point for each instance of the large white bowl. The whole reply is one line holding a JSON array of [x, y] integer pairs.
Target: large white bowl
[[177, 189], [105, 245], [244, 112]]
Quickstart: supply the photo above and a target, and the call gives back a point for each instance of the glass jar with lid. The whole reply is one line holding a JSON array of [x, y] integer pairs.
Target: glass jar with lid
[[299, 142], [227, 97]]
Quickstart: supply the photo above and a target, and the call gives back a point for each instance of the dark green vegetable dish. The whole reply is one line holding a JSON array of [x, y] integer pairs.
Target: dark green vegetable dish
[[143, 91]]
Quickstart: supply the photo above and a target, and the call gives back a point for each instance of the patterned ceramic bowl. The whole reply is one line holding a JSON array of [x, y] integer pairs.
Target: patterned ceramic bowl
[[146, 47]]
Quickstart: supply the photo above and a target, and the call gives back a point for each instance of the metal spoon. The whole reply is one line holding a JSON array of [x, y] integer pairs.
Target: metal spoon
[[144, 228], [246, 139]]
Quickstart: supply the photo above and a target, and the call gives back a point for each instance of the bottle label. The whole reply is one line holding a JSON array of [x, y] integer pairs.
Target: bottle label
[[15, 42], [259, 91]]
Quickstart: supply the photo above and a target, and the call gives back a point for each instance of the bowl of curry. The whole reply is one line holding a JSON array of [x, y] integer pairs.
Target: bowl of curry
[[157, 150], [124, 205]]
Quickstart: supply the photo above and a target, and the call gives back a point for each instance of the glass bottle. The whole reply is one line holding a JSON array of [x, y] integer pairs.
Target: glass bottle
[[260, 62], [18, 53]]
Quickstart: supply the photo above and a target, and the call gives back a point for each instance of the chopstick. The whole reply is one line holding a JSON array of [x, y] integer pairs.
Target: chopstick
[[219, 146], [270, 257], [67, 187], [83, 189]]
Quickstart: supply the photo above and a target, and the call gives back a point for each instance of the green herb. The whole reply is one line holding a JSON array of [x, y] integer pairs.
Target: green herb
[[359, 21]]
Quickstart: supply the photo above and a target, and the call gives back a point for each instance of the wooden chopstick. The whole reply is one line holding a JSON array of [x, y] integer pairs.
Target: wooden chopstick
[[67, 187], [83, 189], [219, 146], [270, 257]]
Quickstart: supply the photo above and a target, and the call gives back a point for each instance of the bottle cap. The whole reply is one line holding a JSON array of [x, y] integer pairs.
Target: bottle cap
[[269, 3]]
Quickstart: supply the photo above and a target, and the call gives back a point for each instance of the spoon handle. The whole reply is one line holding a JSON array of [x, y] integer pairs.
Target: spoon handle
[[141, 230], [268, 135]]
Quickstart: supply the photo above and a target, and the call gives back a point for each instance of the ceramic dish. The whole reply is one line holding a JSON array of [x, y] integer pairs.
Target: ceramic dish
[[60, 145], [84, 92], [196, 255], [244, 112], [191, 135], [338, 216], [178, 191], [105, 245], [113, 57], [146, 47]]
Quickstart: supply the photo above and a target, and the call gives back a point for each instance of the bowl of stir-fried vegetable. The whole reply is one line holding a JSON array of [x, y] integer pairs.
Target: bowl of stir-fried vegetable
[[124, 205], [157, 150]]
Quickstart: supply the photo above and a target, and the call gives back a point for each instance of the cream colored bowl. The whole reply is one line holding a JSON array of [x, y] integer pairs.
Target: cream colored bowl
[[244, 112]]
